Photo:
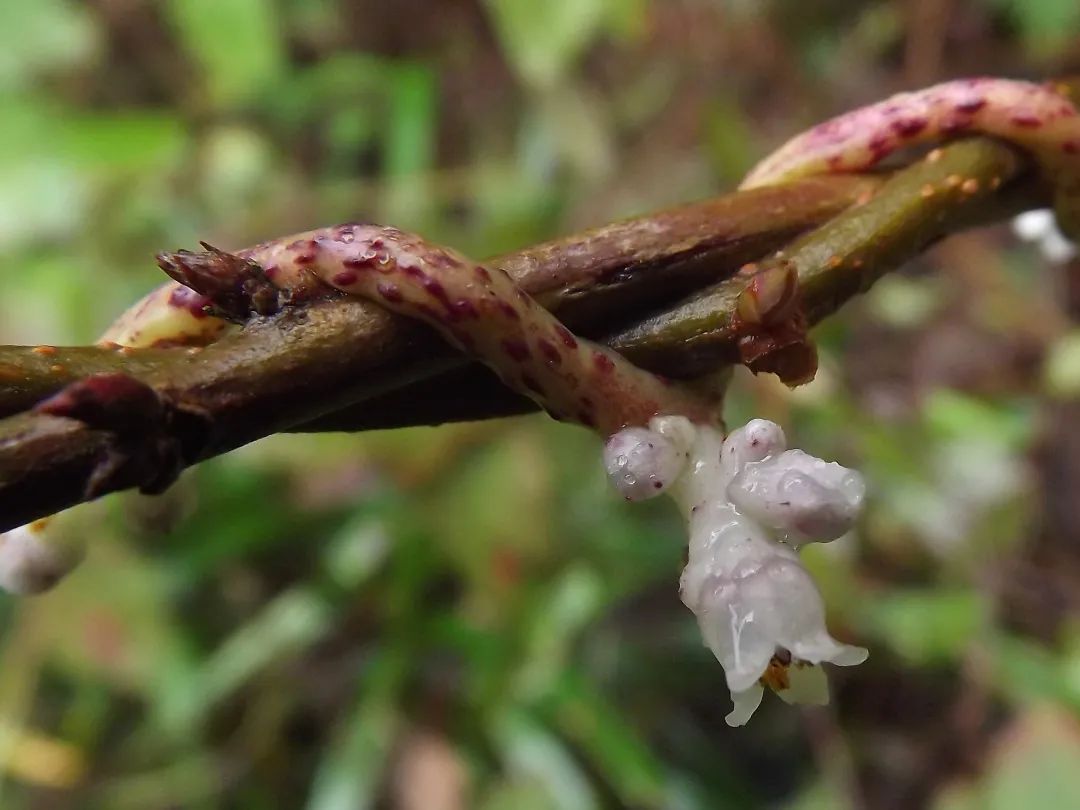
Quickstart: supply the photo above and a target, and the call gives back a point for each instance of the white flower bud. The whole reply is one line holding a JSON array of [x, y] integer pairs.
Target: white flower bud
[[641, 463], [807, 685], [678, 430], [35, 557], [802, 497], [757, 439]]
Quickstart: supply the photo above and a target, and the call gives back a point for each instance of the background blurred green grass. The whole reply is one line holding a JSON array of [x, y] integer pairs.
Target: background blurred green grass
[[466, 617]]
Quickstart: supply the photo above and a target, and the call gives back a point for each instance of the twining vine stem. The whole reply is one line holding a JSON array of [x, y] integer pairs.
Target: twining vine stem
[[350, 365]]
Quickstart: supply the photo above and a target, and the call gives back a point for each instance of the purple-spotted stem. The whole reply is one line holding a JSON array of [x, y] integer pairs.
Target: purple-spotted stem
[[1038, 118], [479, 310]]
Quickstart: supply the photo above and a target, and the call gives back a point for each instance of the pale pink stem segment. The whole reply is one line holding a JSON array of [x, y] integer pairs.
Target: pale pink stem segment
[[483, 312], [1034, 117], [171, 315]]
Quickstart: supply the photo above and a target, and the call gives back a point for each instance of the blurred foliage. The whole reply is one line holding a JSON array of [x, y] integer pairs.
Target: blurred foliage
[[465, 617]]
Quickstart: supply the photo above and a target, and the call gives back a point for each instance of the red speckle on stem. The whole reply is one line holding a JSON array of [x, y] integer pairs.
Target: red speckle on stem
[[441, 258], [516, 349], [507, 309], [186, 298], [1026, 120], [1071, 147], [360, 262], [344, 279], [566, 336], [435, 289], [308, 250], [880, 146], [550, 351], [465, 308], [390, 292], [909, 127], [952, 126], [482, 274], [970, 106], [829, 131], [603, 363]]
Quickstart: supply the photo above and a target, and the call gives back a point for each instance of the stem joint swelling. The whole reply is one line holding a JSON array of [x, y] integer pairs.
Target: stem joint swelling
[[150, 438], [771, 324]]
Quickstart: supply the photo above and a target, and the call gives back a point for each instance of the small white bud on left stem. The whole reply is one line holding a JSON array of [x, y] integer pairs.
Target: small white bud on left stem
[[34, 558]]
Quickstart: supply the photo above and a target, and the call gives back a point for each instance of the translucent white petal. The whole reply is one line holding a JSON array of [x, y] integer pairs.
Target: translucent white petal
[[807, 685], [741, 639], [782, 593], [745, 704], [746, 615], [678, 430], [822, 647]]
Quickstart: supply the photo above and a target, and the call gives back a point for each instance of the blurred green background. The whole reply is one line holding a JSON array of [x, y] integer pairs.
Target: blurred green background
[[466, 617]]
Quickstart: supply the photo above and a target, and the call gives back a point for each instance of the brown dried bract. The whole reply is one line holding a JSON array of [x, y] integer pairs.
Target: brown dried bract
[[238, 287], [772, 326]]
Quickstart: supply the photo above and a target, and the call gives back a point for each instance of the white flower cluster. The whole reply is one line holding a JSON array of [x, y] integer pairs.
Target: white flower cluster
[[749, 504], [1040, 227], [35, 557]]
